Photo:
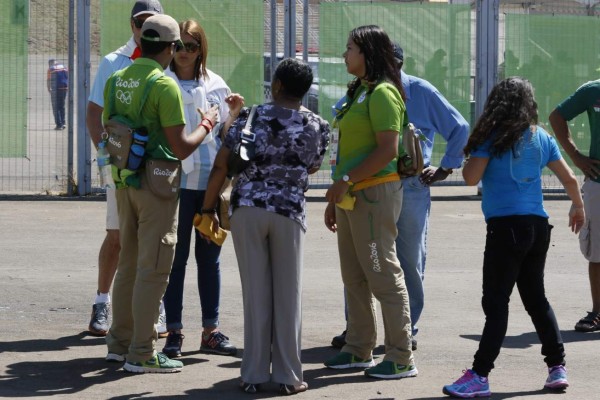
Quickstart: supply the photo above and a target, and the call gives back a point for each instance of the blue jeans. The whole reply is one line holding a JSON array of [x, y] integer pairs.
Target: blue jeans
[[58, 106], [411, 243], [207, 260], [515, 253]]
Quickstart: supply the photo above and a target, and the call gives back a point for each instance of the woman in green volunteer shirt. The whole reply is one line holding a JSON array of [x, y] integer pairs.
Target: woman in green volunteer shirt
[[365, 169]]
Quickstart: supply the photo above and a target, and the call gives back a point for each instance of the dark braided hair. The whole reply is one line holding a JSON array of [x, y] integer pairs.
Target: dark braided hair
[[380, 63], [509, 110]]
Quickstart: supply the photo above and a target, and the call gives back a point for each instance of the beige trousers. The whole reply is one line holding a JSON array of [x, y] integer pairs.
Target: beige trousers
[[370, 268], [148, 231]]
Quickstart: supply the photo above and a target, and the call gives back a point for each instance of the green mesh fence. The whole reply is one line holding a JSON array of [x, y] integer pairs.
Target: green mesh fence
[[234, 29], [435, 39], [14, 28], [557, 54]]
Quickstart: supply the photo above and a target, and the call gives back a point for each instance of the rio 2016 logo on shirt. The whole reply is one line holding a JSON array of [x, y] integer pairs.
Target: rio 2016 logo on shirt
[[124, 97]]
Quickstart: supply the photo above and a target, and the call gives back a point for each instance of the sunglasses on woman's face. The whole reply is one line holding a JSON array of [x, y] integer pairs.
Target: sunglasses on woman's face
[[191, 47]]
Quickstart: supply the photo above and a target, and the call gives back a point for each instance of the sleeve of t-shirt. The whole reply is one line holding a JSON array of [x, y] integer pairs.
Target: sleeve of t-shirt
[[170, 103], [549, 146], [386, 109], [483, 150], [579, 101], [102, 74]]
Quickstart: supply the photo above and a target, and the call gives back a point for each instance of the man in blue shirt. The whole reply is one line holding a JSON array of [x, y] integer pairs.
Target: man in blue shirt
[[430, 112], [58, 84]]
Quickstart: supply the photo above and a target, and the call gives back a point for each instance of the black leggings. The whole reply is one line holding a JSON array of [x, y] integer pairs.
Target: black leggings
[[515, 252]]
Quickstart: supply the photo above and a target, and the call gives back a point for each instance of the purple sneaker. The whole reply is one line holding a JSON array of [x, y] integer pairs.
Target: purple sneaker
[[557, 378], [468, 386]]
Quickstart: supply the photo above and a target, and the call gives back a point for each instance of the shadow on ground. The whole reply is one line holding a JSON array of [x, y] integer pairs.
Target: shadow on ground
[[526, 340]]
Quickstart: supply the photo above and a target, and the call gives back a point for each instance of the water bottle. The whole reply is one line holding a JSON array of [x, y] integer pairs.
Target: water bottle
[[138, 149], [104, 167]]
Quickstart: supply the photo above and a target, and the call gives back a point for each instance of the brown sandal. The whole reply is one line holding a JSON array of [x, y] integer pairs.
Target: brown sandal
[[249, 387], [589, 323], [293, 389]]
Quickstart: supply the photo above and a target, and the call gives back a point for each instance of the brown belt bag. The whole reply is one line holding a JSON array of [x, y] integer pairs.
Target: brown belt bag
[[120, 137], [164, 177]]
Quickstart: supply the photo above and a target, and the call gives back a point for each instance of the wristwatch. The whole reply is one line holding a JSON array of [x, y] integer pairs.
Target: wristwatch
[[346, 178]]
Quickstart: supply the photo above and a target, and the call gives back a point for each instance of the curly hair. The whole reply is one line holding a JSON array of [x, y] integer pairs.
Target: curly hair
[[509, 110], [380, 63]]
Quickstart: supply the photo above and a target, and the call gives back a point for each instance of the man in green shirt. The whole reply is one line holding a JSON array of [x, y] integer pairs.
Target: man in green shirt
[[147, 222], [585, 99]]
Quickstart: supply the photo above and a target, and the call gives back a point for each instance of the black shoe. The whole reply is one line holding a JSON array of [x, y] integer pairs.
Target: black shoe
[[339, 341], [173, 345], [413, 342], [217, 343]]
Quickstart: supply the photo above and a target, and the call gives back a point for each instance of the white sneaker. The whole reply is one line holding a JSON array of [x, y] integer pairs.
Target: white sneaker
[[161, 325], [114, 357]]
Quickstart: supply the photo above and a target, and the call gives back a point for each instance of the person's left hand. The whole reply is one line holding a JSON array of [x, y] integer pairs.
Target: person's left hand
[[432, 174], [235, 101], [329, 217]]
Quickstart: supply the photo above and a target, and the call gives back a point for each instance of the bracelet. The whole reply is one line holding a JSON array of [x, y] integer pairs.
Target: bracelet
[[206, 126], [208, 211], [209, 122]]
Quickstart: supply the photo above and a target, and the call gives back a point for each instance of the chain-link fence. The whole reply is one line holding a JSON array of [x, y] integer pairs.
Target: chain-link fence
[[553, 43]]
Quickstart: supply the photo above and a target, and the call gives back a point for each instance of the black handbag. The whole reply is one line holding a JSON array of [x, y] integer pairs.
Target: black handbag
[[243, 152]]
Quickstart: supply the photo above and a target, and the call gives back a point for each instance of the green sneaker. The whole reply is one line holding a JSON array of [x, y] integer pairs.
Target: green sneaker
[[345, 360], [391, 370], [159, 364]]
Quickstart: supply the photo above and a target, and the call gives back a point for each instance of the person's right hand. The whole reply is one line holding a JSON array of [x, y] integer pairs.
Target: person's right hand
[[212, 114], [329, 217], [576, 218], [587, 165]]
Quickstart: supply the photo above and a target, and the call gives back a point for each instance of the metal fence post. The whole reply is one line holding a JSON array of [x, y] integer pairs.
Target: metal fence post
[[486, 55], [70, 114], [289, 28], [84, 168]]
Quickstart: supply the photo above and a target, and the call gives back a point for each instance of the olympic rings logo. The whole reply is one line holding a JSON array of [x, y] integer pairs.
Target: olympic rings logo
[[124, 97]]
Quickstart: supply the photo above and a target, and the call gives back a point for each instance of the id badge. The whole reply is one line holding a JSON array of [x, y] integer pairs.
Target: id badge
[[333, 146]]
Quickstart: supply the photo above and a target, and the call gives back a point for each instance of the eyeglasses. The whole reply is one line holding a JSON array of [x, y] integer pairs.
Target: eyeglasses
[[178, 46], [191, 47], [138, 22]]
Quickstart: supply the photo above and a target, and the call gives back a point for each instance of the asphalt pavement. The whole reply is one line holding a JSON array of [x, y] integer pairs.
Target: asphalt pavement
[[48, 269]]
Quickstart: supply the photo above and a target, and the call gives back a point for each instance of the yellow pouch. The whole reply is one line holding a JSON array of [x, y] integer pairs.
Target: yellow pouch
[[204, 225], [347, 202]]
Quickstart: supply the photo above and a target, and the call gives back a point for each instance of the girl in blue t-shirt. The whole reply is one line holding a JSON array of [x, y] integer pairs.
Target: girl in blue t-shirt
[[507, 151]]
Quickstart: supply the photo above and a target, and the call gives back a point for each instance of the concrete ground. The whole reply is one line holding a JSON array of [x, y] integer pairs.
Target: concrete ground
[[48, 268]]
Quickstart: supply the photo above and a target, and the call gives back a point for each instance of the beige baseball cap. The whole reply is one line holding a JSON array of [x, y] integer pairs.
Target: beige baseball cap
[[165, 26]]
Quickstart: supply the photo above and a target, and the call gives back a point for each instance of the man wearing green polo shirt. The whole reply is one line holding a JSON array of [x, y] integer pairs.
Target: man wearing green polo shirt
[[147, 222], [585, 99]]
